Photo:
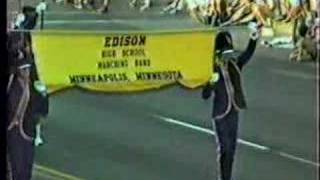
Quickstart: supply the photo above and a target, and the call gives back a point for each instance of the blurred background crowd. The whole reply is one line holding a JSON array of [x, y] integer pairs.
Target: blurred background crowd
[[218, 12], [302, 16]]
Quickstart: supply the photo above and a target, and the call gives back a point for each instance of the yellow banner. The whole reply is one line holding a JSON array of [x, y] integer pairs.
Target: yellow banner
[[129, 61]]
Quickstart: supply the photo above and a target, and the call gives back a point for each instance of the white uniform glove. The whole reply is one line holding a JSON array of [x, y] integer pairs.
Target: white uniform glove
[[41, 7], [40, 87], [254, 30], [214, 78], [20, 18]]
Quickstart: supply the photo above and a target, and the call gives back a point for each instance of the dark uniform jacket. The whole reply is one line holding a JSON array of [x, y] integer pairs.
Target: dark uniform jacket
[[228, 89], [37, 104]]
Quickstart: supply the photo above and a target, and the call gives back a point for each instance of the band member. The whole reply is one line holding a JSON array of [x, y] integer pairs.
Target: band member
[[20, 92], [20, 150], [20, 144], [228, 96]]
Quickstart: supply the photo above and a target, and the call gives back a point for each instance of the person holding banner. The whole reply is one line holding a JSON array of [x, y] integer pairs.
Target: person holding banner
[[19, 144], [20, 92], [228, 96]]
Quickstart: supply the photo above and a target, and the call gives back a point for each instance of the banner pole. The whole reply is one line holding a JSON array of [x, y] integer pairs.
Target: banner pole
[[42, 17], [19, 6]]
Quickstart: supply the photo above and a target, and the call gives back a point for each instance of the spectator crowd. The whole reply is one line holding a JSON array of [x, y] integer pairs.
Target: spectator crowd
[[302, 14]]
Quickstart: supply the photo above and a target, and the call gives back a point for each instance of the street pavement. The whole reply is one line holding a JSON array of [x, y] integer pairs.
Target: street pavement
[[165, 134]]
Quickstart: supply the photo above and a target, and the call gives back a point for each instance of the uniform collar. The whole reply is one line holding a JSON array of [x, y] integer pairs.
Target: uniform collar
[[222, 53], [24, 66], [228, 51]]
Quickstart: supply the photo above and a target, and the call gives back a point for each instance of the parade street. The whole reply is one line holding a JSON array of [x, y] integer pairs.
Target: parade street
[[167, 134]]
